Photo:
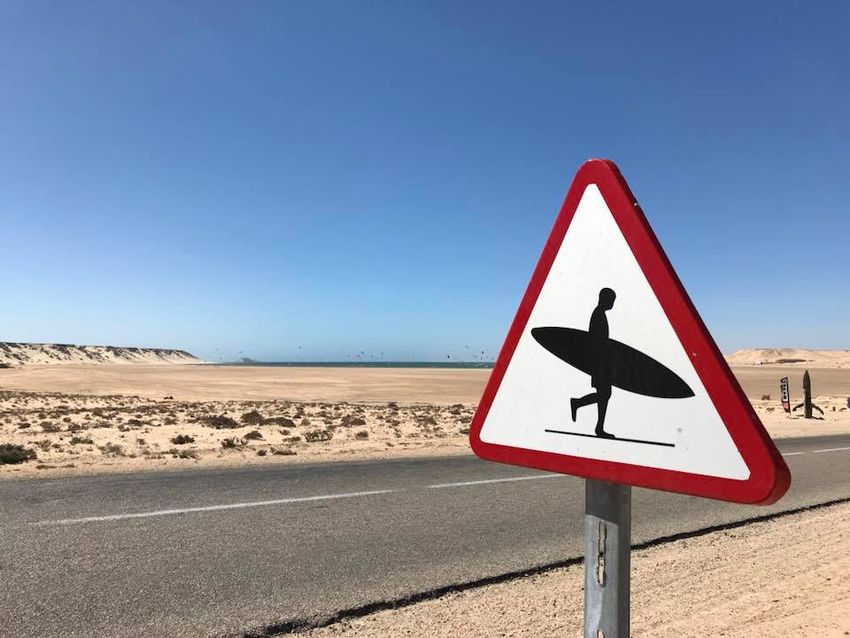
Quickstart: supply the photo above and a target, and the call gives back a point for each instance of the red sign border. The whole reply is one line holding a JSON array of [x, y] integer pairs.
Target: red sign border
[[769, 475]]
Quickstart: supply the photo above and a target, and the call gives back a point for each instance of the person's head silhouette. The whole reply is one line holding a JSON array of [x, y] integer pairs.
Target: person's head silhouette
[[606, 298]]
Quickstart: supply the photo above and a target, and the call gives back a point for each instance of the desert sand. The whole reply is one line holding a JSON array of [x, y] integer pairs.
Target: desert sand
[[749, 581], [258, 383], [115, 417]]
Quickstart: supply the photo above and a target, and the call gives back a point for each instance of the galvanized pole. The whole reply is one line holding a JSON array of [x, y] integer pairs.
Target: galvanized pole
[[607, 559]]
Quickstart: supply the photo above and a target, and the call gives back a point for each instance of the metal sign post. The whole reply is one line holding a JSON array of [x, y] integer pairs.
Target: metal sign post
[[607, 559]]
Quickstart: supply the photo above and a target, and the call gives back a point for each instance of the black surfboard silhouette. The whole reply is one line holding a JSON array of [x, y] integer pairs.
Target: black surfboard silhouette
[[629, 369]]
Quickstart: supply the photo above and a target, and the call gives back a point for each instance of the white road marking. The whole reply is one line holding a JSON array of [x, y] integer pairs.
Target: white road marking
[[327, 497], [209, 508], [501, 480], [829, 449]]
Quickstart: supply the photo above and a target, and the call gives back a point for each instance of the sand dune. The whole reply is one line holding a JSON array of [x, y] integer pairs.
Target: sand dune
[[790, 356], [16, 354]]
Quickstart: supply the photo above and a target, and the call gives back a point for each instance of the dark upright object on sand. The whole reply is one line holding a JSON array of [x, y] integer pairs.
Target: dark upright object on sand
[[807, 404]]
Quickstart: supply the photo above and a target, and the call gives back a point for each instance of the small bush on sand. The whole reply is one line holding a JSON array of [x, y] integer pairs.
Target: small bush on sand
[[315, 436], [221, 422], [182, 439], [349, 420], [253, 435], [252, 418], [426, 420], [81, 440], [112, 450], [233, 443], [183, 454], [363, 434], [284, 452], [280, 420], [47, 426], [11, 454]]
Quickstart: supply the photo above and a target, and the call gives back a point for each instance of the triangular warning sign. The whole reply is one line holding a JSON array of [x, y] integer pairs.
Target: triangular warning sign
[[609, 373]]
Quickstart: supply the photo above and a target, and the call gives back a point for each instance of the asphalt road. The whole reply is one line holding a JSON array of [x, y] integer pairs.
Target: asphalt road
[[206, 553]]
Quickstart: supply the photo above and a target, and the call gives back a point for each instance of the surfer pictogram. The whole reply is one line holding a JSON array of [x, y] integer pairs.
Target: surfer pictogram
[[601, 377], [610, 364]]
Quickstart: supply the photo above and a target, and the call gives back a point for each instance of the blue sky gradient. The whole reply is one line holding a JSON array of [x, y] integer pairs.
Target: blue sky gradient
[[317, 179]]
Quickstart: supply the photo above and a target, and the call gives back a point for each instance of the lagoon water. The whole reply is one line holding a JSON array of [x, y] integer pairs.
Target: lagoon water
[[363, 364]]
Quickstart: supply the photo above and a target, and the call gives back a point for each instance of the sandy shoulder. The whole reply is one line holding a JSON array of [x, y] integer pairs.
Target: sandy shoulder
[[749, 581]]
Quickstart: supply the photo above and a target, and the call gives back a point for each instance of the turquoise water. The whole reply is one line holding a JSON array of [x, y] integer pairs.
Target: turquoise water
[[364, 364]]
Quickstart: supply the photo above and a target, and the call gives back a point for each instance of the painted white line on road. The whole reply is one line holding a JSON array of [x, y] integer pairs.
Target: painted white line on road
[[209, 508], [829, 449], [501, 480]]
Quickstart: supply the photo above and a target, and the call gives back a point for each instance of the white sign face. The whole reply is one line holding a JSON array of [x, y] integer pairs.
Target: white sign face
[[599, 372]]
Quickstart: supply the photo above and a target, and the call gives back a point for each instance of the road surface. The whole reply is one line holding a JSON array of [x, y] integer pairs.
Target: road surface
[[224, 552]]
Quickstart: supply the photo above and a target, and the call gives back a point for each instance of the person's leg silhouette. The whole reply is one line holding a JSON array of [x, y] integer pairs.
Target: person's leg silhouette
[[575, 404], [604, 395], [600, 398]]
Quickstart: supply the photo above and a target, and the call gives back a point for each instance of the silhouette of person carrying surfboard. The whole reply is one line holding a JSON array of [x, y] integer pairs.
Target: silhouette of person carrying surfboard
[[610, 364], [601, 376]]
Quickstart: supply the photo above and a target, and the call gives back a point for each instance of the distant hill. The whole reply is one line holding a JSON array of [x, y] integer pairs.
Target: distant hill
[[16, 354], [790, 356]]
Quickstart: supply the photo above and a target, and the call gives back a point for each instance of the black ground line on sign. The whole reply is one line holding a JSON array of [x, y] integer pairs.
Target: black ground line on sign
[[618, 438]]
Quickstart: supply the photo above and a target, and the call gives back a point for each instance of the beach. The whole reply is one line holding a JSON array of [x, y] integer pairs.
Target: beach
[[80, 418]]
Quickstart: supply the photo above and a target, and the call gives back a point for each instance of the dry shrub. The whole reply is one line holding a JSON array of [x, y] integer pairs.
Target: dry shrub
[[252, 418], [112, 450], [233, 443], [12, 454], [220, 422], [315, 436]]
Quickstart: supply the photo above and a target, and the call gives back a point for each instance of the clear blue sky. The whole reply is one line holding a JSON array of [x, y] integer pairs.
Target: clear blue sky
[[317, 179]]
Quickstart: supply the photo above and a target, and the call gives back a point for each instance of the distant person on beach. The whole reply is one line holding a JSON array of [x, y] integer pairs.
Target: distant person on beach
[[601, 377]]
